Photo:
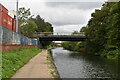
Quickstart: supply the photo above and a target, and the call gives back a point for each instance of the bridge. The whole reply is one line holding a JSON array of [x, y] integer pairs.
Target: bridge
[[52, 36]]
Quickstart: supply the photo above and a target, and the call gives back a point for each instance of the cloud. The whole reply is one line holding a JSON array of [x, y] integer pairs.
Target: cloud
[[64, 16], [75, 5], [9, 4], [67, 17], [70, 13], [67, 28]]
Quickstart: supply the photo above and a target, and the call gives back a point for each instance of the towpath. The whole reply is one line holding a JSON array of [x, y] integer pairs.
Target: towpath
[[36, 68]]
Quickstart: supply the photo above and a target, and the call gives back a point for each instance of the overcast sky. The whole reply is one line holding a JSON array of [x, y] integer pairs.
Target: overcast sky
[[64, 15]]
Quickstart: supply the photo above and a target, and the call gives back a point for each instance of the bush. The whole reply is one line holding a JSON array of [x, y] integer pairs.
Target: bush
[[113, 54]]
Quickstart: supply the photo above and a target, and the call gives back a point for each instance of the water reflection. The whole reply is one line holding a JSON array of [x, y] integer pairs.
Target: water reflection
[[98, 66], [75, 65]]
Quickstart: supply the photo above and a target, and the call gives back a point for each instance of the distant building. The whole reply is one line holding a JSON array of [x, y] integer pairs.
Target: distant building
[[58, 44]]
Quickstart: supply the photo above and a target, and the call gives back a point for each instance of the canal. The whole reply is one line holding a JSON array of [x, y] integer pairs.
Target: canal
[[76, 65]]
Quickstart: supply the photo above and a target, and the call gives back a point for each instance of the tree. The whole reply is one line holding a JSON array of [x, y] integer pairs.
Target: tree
[[83, 29], [97, 30], [29, 28], [114, 28], [49, 27], [23, 15], [40, 23], [43, 26]]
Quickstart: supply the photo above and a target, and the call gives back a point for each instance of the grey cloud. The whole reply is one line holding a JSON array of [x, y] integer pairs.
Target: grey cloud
[[75, 5], [68, 18], [68, 22], [68, 28]]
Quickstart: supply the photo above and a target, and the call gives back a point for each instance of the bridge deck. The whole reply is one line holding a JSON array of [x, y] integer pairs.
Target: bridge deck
[[50, 36], [61, 37]]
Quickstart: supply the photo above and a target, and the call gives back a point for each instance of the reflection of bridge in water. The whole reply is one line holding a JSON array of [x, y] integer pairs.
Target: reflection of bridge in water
[[52, 36]]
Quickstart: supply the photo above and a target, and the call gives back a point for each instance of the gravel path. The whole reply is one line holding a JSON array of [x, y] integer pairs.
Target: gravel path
[[36, 68]]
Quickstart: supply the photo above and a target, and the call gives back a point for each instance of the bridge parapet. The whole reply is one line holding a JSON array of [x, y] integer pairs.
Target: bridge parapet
[[41, 34]]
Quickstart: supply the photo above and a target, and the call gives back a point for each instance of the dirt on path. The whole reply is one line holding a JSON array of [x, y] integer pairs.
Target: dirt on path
[[37, 67]]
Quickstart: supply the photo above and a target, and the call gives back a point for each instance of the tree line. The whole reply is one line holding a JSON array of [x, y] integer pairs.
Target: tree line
[[103, 32], [29, 25]]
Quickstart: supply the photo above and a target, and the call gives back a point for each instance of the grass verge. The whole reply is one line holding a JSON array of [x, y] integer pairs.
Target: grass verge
[[15, 59], [52, 67]]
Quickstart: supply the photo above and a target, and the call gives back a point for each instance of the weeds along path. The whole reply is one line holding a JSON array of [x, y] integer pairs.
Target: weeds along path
[[36, 68]]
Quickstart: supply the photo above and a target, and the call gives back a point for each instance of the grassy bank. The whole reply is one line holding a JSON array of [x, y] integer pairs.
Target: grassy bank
[[15, 59], [52, 67]]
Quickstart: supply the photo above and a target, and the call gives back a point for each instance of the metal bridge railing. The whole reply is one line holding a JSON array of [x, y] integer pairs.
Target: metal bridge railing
[[57, 33]]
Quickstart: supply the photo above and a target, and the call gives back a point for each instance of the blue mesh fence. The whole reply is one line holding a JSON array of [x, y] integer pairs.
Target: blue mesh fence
[[1, 32], [10, 37]]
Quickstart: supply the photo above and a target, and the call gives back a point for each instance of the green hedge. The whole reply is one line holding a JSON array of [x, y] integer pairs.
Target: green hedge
[[15, 59]]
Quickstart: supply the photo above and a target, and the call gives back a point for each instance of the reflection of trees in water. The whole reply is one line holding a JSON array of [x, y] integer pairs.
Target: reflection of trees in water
[[103, 66]]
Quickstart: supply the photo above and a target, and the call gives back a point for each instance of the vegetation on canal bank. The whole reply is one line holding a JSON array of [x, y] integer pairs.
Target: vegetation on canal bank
[[15, 59], [52, 67], [103, 32]]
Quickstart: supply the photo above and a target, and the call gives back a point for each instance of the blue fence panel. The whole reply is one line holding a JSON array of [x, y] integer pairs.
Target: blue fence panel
[[10, 37], [7, 36], [1, 32], [16, 38]]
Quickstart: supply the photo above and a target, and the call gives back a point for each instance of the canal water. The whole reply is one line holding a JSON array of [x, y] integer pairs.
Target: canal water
[[75, 65]]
